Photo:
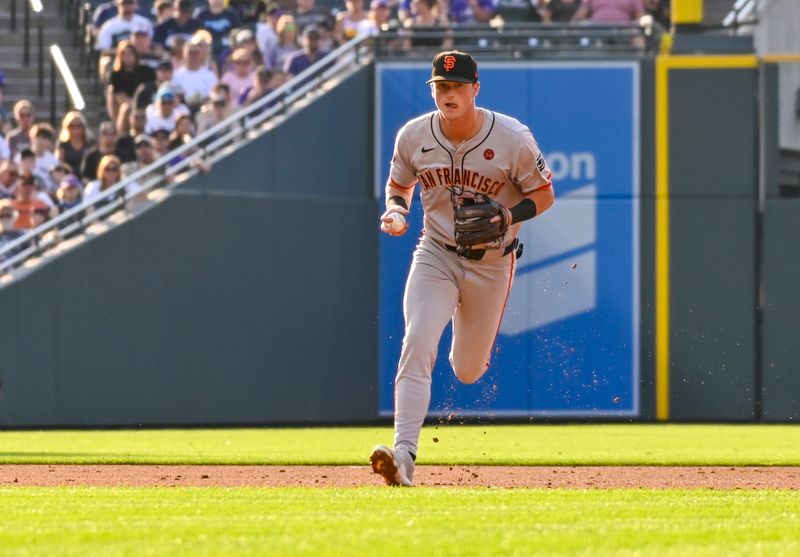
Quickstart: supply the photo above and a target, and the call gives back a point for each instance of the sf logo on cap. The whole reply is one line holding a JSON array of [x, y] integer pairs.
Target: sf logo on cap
[[449, 62]]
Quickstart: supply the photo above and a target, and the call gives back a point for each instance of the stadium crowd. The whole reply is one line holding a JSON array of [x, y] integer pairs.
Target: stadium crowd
[[173, 68]]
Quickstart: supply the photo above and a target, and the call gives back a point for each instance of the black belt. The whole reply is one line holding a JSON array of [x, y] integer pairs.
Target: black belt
[[477, 254]]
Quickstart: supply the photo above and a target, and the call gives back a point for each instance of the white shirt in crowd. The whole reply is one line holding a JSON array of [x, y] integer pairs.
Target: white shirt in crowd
[[5, 152], [93, 191], [196, 84], [116, 29], [267, 41], [156, 121]]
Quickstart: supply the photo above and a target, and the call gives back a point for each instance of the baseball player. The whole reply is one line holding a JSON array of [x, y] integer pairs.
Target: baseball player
[[481, 174]]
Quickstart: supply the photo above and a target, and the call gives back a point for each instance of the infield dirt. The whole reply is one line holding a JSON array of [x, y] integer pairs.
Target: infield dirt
[[571, 477]]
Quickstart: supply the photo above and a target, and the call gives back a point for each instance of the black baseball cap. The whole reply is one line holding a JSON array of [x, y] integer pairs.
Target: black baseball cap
[[454, 65]]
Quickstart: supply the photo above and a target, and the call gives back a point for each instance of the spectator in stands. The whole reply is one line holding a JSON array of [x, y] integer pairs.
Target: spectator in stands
[[145, 155], [183, 132], [106, 145], [348, 20], [308, 13], [109, 174], [165, 10], [126, 148], [610, 11], [5, 115], [241, 77], [241, 39], [202, 40], [27, 200], [5, 152], [659, 10], [181, 26], [59, 172], [27, 167], [427, 14], [74, 140], [19, 138], [161, 142], [265, 81], [520, 10], [69, 193], [454, 11], [219, 21], [216, 109], [267, 30], [559, 11], [143, 43], [43, 139], [114, 31], [377, 19], [120, 26], [126, 76], [8, 229], [308, 55], [146, 92], [9, 175], [244, 9], [287, 41], [194, 79], [162, 114], [105, 11]]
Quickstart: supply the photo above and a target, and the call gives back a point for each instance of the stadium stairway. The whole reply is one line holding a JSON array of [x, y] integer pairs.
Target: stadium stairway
[[22, 80], [714, 11]]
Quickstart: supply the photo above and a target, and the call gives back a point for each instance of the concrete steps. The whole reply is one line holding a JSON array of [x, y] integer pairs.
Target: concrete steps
[[22, 80]]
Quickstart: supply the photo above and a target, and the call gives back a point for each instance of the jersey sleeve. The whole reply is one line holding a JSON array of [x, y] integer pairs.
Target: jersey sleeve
[[402, 173], [532, 172]]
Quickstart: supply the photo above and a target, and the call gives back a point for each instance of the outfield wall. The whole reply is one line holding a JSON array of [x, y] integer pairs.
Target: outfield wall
[[222, 305]]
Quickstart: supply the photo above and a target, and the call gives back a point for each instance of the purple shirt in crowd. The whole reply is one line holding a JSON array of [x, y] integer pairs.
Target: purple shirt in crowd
[[460, 12], [614, 11]]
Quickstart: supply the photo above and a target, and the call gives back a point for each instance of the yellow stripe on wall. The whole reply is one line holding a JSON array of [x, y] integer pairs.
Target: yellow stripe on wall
[[687, 11], [778, 58], [664, 64]]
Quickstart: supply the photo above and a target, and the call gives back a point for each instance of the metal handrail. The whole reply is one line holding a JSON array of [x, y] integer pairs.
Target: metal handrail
[[741, 13], [208, 145], [60, 63], [528, 38]]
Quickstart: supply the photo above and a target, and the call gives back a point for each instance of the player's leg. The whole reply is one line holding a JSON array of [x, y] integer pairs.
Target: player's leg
[[484, 292], [430, 299]]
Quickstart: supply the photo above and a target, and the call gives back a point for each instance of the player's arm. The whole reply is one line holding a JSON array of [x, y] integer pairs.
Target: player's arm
[[535, 203], [399, 186], [398, 200], [535, 181]]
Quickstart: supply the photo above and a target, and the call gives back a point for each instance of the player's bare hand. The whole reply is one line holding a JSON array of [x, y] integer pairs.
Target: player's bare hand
[[504, 217], [393, 221]]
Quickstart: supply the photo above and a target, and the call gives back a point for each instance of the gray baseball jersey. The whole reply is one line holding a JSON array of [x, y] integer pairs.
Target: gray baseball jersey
[[502, 160]]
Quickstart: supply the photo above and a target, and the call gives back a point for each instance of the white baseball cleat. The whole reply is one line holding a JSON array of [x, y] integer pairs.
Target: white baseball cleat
[[396, 467]]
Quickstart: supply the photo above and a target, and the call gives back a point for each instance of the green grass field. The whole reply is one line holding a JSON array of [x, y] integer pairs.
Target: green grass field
[[639, 444], [421, 521]]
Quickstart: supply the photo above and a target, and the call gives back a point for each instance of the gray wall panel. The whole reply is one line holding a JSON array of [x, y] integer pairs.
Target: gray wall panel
[[27, 347], [712, 310], [712, 133], [647, 235], [770, 150], [94, 332], [254, 321], [781, 350]]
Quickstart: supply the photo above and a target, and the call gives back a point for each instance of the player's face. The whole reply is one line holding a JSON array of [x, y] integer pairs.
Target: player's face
[[454, 100]]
